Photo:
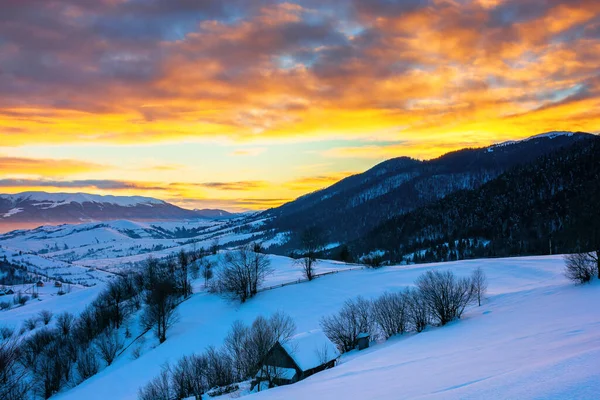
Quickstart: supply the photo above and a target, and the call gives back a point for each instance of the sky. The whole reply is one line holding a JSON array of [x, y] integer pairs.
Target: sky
[[247, 104]]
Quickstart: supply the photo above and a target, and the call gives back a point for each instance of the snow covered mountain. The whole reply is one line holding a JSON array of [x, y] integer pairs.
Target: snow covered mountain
[[42, 207], [400, 185]]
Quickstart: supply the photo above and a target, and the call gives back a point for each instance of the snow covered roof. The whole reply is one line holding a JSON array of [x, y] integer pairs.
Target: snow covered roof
[[311, 349]]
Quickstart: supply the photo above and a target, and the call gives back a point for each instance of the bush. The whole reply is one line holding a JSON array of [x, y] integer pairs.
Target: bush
[[4, 305], [45, 316], [373, 260], [108, 345], [390, 312], [6, 333], [159, 388], [418, 313], [354, 318], [87, 365], [30, 323], [579, 268], [445, 295], [65, 323]]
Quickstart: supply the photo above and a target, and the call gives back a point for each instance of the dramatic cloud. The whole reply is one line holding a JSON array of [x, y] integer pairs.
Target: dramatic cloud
[[46, 167], [79, 184], [380, 78]]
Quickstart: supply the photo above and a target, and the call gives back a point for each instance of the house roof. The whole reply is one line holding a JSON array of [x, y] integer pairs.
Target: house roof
[[310, 349], [279, 372]]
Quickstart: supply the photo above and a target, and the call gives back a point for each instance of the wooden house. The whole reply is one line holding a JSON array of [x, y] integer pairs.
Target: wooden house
[[57, 284], [39, 283], [298, 358]]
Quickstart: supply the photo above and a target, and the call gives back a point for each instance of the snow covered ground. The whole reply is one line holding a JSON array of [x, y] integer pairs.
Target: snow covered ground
[[536, 337], [116, 245]]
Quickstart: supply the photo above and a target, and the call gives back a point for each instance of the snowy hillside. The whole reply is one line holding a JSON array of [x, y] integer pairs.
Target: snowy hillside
[[51, 200], [115, 245], [41, 207], [534, 337]]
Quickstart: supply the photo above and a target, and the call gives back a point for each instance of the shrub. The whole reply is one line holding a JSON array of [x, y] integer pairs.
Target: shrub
[[30, 323], [390, 313], [445, 295], [354, 318], [579, 268], [87, 364], [45, 316], [418, 314]]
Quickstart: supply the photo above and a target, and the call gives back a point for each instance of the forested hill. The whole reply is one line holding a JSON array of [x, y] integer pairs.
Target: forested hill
[[547, 206], [354, 206]]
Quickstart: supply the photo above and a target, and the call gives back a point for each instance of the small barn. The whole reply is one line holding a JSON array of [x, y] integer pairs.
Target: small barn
[[9, 291], [39, 283], [298, 358], [58, 284]]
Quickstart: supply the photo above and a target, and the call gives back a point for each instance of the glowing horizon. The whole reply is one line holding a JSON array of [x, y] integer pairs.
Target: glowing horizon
[[246, 105]]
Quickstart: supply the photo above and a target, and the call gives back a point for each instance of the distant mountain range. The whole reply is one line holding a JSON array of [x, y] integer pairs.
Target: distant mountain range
[[42, 207], [352, 208]]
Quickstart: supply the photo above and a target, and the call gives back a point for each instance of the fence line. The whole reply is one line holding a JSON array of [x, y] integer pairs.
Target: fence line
[[302, 280]]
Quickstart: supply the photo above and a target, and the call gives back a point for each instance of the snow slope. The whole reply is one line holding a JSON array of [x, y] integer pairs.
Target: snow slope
[[535, 337], [529, 341], [51, 200]]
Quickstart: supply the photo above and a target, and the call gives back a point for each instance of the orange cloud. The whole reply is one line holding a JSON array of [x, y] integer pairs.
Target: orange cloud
[[44, 167]]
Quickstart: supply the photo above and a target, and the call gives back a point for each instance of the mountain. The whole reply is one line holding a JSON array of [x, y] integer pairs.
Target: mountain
[[42, 207], [213, 213], [354, 206], [548, 206]]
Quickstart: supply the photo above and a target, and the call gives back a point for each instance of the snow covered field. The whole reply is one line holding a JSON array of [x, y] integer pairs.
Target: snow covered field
[[116, 245], [537, 336]]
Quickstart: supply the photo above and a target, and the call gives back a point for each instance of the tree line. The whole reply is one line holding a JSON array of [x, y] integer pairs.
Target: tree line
[[41, 362], [438, 298]]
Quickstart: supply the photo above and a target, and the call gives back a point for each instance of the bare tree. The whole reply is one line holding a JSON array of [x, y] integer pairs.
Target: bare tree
[[479, 281], [311, 242], [65, 323], [183, 274], [580, 267], [390, 312], [445, 295], [418, 313], [13, 382], [114, 297], [160, 312], [87, 363], [344, 328], [214, 246], [219, 371], [108, 345], [242, 272], [45, 316], [157, 389], [30, 323], [236, 345], [248, 346], [207, 271]]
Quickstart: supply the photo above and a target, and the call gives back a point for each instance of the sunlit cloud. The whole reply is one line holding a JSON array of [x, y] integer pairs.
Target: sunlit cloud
[[45, 167], [261, 78]]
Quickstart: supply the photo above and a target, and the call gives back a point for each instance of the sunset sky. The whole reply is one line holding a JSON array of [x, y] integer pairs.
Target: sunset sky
[[246, 104]]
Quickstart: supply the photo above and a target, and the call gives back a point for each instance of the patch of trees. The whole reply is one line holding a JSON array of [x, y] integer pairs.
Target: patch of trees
[[216, 369], [544, 207], [353, 207], [439, 297], [74, 348], [241, 273]]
